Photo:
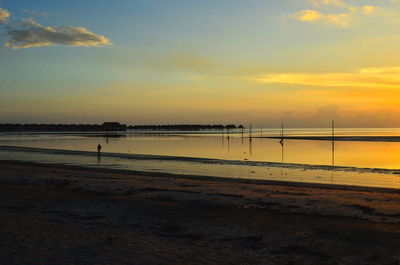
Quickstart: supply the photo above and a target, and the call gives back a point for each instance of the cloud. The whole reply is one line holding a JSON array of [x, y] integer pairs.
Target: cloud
[[327, 2], [374, 77], [334, 12], [32, 34], [4, 15], [314, 15], [368, 9], [36, 13], [308, 15], [339, 19]]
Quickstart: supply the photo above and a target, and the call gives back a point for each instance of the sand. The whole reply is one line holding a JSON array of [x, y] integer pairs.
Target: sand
[[53, 214]]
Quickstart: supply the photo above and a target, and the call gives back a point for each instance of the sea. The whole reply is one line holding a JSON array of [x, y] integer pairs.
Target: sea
[[368, 157]]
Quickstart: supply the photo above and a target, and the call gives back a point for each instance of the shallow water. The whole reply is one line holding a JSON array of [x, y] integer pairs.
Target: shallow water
[[207, 145], [231, 156]]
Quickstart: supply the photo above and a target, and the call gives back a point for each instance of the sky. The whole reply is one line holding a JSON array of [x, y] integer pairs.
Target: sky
[[260, 62]]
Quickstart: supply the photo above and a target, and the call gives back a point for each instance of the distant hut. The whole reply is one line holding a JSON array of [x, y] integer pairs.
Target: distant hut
[[113, 126]]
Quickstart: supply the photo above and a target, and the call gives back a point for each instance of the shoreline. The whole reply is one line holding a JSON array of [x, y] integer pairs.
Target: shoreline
[[204, 177], [374, 204], [201, 160]]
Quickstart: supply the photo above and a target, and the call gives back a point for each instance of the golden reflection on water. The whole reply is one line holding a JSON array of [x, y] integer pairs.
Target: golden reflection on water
[[234, 147]]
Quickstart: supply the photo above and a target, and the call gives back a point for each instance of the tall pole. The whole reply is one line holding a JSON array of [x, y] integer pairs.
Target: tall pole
[[333, 142], [281, 141]]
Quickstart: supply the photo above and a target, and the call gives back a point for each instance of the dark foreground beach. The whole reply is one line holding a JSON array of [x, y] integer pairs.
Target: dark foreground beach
[[53, 214]]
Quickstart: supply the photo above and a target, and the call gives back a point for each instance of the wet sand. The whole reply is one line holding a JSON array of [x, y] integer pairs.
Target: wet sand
[[52, 214]]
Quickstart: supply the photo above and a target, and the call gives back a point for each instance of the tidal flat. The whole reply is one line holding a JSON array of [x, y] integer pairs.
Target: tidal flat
[[53, 214]]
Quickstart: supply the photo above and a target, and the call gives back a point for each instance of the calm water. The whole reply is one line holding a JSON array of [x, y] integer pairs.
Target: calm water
[[234, 154]]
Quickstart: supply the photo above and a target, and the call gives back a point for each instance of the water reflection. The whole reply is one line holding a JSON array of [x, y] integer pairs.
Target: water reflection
[[250, 147], [333, 152], [222, 139], [333, 143], [219, 146]]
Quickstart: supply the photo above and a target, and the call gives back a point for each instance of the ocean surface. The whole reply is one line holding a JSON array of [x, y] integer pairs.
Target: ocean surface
[[250, 155]]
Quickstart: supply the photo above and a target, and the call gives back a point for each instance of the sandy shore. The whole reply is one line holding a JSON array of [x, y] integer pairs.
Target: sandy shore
[[54, 214]]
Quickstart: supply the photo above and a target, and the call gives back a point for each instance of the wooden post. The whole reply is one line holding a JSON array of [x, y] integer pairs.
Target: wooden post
[[333, 142]]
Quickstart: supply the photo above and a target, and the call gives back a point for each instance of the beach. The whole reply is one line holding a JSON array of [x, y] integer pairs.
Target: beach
[[55, 214]]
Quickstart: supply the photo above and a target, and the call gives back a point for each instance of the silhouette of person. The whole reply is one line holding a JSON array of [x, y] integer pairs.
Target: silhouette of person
[[98, 148]]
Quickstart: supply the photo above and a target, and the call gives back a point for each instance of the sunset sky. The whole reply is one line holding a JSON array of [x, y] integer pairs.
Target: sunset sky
[[303, 62]]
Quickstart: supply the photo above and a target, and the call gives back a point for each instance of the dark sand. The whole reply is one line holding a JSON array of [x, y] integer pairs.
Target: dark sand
[[66, 215]]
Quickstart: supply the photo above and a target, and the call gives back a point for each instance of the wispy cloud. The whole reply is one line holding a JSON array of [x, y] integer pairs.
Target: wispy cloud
[[4, 15], [308, 15], [36, 13], [368, 9], [29, 33], [377, 77], [328, 2], [32, 34], [341, 15], [314, 15]]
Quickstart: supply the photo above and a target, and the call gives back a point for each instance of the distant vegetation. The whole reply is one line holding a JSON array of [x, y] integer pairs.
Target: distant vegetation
[[183, 127], [107, 126], [110, 126]]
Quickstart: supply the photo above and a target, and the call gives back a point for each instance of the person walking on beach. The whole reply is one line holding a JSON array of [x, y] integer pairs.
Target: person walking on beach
[[98, 148]]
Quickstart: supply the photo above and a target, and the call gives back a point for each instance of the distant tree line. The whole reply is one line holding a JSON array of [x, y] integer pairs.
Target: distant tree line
[[111, 126], [184, 127], [107, 126]]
